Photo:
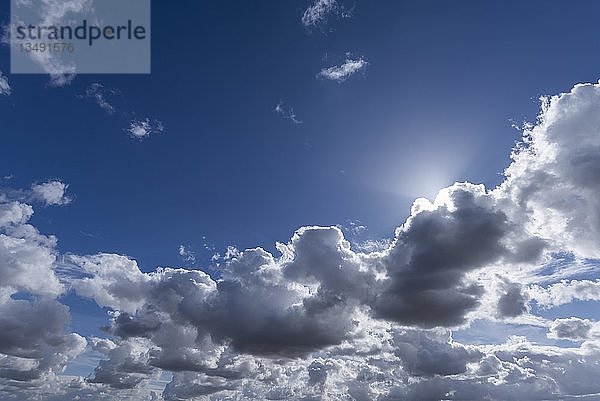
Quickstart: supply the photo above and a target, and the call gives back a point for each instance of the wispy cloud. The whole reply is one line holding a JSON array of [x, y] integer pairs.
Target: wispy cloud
[[101, 94], [186, 254], [52, 13], [340, 73], [317, 13], [105, 97], [287, 113]]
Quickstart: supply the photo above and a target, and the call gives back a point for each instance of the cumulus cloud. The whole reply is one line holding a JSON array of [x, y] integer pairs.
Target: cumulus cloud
[[35, 343], [5, 88], [513, 300], [321, 319], [342, 72], [111, 280], [570, 329], [554, 175], [141, 129], [51, 193]]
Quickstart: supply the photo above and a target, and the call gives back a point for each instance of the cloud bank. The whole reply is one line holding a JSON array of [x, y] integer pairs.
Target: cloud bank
[[320, 320]]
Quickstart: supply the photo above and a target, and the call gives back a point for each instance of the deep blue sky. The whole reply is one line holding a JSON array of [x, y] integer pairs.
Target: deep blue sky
[[435, 105]]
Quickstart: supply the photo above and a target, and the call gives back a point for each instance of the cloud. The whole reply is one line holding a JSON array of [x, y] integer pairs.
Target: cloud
[[35, 344], [287, 113], [513, 300], [111, 280], [340, 73], [51, 193], [5, 88], [432, 260], [97, 92], [322, 319], [51, 13], [126, 365], [553, 178], [137, 128], [14, 213], [317, 13], [565, 292], [141, 129], [571, 329], [186, 254]]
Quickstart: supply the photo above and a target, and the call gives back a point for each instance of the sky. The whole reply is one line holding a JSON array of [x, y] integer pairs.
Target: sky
[[309, 200]]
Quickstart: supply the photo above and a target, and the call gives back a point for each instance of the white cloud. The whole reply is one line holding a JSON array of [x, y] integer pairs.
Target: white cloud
[[553, 178], [342, 72], [100, 94], [287, 113], [14, 213], [51, 193], [114, 281], [565, 292], [317, 13], [186, 254], [141, 129], [35, 343], [53, 13], [5, 88]]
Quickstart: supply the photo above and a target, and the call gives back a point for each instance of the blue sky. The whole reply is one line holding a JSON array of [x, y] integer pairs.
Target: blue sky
[[245, 137]]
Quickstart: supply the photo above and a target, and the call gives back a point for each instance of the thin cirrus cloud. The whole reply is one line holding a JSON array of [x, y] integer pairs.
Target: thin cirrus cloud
[[342, 72], [321, 319]]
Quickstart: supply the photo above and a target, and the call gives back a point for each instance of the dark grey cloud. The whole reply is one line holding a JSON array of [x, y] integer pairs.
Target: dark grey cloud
[[513, 300], [572, 328], [433, 353], [126, 365], [432, 253]]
